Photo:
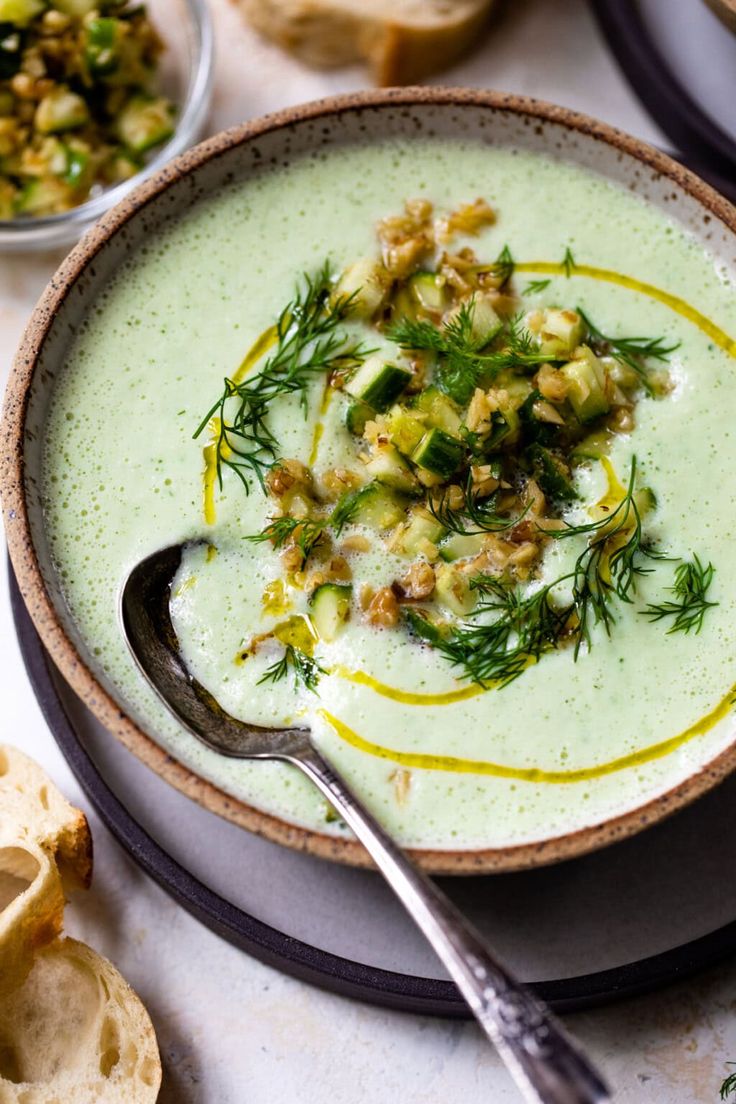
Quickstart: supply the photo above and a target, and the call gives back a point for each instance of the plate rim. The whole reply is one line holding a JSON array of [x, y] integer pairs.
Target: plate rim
[[46, 619], [302, 960]]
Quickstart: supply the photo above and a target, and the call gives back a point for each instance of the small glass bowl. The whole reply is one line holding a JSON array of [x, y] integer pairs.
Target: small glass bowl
[[185, 76]]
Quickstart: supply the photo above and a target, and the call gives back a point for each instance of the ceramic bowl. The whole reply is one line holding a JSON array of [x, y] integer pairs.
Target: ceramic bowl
[[494, 118]]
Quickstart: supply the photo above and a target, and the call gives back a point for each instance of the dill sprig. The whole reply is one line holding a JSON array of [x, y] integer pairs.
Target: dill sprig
[[503, 266], [569, 263], [462, 363], [310, 343], [690, 604], [526, 624], [306, 532], [729, 1084], [473, 511], [305, 669], [632, 351], [535, 286]]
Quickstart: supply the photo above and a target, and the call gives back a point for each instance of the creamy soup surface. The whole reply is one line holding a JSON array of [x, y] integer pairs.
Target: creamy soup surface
[[568, 743]]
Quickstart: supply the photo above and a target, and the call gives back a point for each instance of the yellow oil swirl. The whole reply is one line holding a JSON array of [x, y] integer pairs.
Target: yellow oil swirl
[[419, 760], [296, 632], [407, 697], [210, 451], [319, 428], [679, 306]]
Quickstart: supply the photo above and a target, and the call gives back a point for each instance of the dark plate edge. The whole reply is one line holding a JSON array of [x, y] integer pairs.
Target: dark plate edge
[[689, 127]]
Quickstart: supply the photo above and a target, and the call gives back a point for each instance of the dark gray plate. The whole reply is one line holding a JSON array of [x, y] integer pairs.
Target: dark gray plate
[[624, 920]]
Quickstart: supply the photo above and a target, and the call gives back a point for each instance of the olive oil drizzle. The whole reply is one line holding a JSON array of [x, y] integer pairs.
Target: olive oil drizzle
[[421, 761], [209, 478]]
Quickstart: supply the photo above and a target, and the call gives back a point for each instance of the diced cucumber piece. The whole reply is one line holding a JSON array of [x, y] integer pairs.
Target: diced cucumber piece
[[550, 475], [378, 383], [358, 413], [100, 51], [440, 410], [20, 12], [76, 165], [429, 292], [593, 447], [145, 122], [439, 453], [366, 283], [388, 466], [560, 332], [403, 305], [420, 529], [453, 590], [329, 609], [461, 546], [486, 323], [377, 507], [501, 427], [405, 429], [60, 110], [586, 383], [43, 195], [422, 625]]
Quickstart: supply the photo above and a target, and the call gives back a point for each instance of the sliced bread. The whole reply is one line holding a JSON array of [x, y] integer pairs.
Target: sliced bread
[[403, 40], [32, 808], [76, 1033], [31, 907]]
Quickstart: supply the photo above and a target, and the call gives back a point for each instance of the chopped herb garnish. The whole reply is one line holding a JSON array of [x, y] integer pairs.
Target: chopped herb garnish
[[503, 266], [306, 670], [568, 263], [536, 286], [689, 606], [632, 351], [474, 516], [531, 623], [310, 343]]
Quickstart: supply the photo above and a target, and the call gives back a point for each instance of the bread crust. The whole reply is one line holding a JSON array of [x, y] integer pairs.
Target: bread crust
[[332, 33], [33, 808]]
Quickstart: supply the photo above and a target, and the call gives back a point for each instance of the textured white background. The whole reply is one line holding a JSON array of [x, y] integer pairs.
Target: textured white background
[[232, 1031]]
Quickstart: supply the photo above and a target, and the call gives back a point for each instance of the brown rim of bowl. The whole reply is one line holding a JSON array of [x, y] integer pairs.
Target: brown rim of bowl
[[40, 606]]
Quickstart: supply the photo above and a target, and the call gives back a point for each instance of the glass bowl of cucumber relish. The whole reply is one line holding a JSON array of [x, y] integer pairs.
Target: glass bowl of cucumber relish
[[95, 95]]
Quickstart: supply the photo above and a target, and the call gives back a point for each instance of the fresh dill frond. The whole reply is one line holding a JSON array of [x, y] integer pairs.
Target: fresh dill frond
[[568, 263], [310, 343], [474, 516], [347, 506], [535, 286], [462, 362], [303, 532], [503, 266], [729, 1084], [632, 351], [690, 604], [305, 669], [526, 624]]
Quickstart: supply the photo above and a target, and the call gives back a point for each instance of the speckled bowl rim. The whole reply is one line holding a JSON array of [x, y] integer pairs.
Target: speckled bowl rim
[[39, 603]]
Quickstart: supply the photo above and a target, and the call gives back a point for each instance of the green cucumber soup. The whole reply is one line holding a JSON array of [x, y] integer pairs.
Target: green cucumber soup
[[461, 505]]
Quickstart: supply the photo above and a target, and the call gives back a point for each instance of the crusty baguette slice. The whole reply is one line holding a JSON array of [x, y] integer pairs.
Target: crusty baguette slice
[[403, 40], [31, 907], [76, 1033], [32, 808]]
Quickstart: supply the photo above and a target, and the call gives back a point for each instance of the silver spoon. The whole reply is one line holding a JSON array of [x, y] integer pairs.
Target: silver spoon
[[546, 1064]]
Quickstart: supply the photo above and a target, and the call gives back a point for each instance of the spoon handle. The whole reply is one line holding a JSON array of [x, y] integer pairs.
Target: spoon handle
[[546, 1064]]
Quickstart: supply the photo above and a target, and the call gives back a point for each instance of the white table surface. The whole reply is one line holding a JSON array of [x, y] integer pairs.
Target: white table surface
[[233, 1031]]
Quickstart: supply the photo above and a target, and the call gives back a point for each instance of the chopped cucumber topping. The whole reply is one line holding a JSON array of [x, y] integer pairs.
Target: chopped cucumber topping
[[453, 590], [586, 382], [378, 384], [329, 609], [60, 110], [389, 467], [145, 122], [439, 453]]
